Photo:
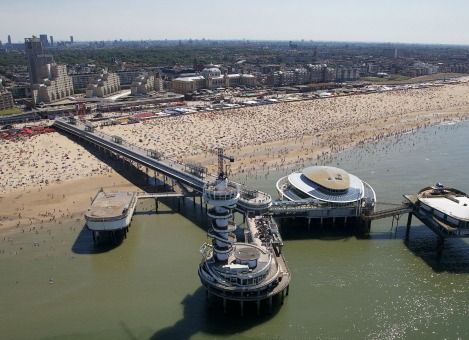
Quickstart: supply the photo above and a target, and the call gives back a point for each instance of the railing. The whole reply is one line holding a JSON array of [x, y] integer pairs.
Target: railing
[[167, 166]]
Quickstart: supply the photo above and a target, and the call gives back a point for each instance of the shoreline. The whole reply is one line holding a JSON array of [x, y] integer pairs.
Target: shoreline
[[50, 171], [57, 203], [60, 203]]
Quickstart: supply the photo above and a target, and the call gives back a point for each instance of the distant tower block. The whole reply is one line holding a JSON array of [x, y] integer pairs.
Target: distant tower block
[[9, 39], [71, 39], [44, 41], [51, 40]]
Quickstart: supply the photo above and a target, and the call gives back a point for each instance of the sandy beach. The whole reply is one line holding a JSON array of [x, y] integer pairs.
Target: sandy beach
[[297, 132], [32, 208], [49, 176]]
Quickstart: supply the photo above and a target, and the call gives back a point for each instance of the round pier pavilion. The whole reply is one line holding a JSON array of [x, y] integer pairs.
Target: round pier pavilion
[[233, 271], [326, 195], [326, 185]]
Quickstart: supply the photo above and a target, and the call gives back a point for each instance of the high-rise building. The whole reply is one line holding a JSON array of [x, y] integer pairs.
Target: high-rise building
[[71, 39], [51, 40], [49, 81], [33, 48], [9, 39], [44, 41]]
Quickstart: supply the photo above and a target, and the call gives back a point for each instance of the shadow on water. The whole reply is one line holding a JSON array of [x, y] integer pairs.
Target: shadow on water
[[423, 243], [298, 230], [84, 243], [205, 316]]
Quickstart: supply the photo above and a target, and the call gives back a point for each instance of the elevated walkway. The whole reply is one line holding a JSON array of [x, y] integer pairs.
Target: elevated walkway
[[251, 201]]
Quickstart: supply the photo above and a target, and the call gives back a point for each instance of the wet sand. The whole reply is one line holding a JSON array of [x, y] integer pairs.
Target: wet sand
[[29, 210]]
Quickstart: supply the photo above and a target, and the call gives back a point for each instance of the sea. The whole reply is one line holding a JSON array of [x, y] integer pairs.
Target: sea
[[54, 284]]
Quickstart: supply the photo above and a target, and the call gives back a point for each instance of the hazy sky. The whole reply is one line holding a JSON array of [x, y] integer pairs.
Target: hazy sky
[[422, 21]]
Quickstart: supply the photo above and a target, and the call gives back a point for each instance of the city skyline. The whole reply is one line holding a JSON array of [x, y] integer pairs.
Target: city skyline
[[360, 21]]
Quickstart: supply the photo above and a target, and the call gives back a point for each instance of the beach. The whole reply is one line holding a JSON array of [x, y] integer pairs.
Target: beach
[[271, 136], [50, 171]]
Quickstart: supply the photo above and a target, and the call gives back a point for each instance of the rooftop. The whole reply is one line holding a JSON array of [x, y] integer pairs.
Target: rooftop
[[328, 177], [109, 205]]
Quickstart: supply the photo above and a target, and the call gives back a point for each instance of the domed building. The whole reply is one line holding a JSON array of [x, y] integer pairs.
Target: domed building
[[211, 72], [326, 185]]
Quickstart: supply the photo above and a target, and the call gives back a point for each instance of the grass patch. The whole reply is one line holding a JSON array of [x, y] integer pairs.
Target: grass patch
[[8, 112]]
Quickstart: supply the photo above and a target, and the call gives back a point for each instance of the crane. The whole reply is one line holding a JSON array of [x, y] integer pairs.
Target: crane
[[221, 156], [81, 110]]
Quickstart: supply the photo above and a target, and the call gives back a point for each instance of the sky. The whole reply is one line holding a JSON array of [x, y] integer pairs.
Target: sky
[[407, 21]]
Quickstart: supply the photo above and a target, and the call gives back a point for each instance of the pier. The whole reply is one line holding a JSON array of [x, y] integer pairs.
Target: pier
[[253, 270], [191, 181], [251, 201]]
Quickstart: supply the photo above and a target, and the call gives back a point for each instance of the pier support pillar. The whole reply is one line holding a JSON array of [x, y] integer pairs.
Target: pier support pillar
[[258, 307], [224, 305], [193, 201], [439, 246], [94, 236], [241, 306], [179, 205], [309, 223], [270, 304], [409, 222], [345, 220]]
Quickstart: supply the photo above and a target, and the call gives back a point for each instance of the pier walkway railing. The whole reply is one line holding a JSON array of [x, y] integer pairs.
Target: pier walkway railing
[[170, 168], [250, 200]]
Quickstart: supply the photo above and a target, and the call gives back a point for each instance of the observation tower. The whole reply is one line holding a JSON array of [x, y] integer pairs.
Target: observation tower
[[249, 271]]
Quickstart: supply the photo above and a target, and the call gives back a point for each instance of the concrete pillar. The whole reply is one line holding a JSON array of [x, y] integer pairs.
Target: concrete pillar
[[440, 245], [241, 305], [258, 307], [409, 222], [270, 304], [224, 305]]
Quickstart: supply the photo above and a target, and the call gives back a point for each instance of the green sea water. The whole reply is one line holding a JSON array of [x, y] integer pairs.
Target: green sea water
[[55, 285]]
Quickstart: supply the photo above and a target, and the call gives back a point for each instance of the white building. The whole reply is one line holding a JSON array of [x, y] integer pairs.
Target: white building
[[102, 85], [211, 78], [56, 86], [143, 84]]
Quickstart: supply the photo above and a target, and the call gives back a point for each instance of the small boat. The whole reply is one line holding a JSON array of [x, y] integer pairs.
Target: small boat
[[448, 207]]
